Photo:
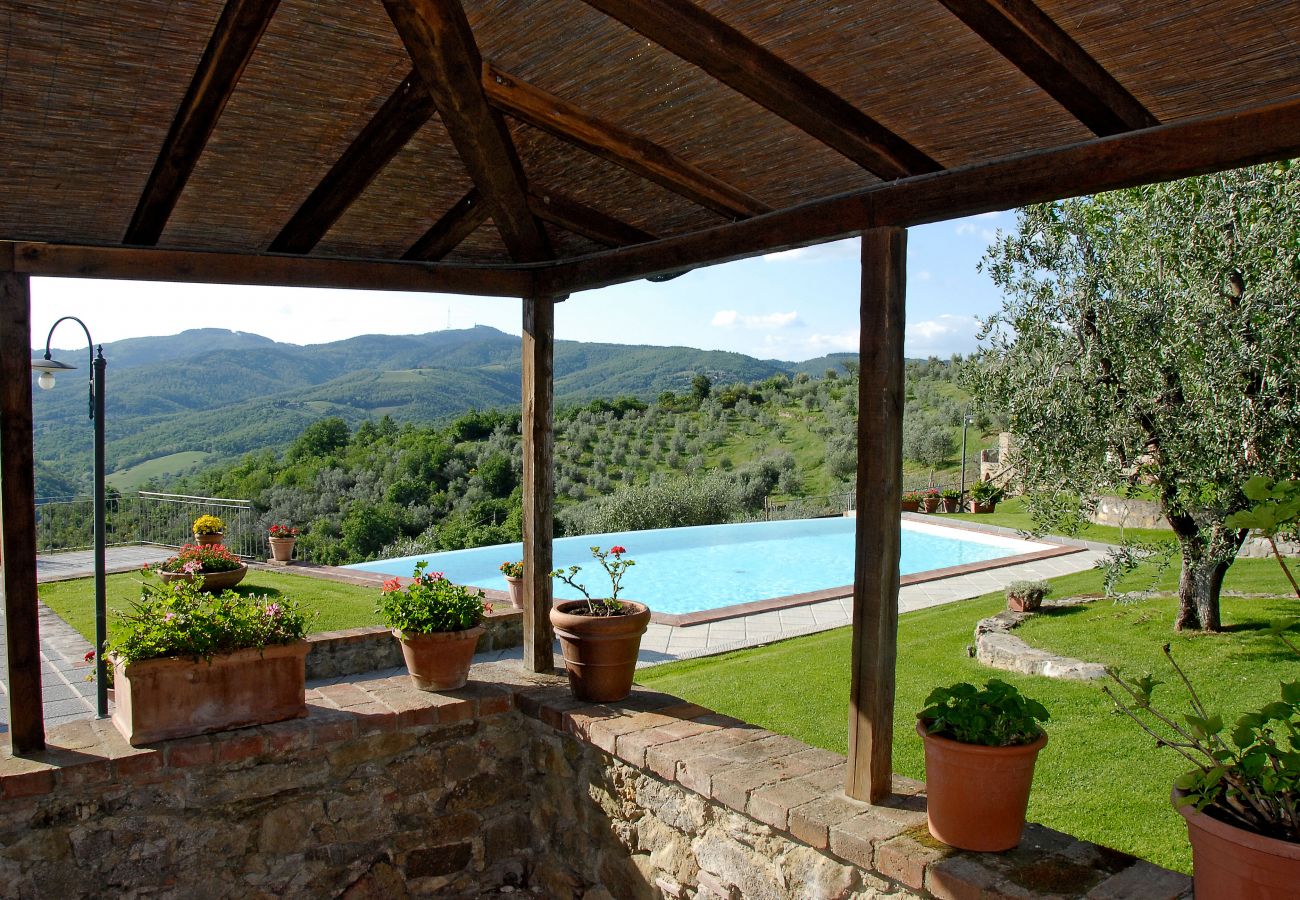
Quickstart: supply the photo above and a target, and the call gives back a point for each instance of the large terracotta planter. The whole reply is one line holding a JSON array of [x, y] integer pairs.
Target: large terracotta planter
[[977, 506], [911, 505], [160, 699], [600, 652], [950, 506], [439, 661], [212, 581], [929, 504], [516, 588], [1230, 863], [281, 548], [209, 540], [977, 795]]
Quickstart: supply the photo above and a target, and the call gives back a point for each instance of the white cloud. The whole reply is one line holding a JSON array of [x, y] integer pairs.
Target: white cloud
[[943, 335], [923, 275], [729, 318], [834, 251], [834, 343]]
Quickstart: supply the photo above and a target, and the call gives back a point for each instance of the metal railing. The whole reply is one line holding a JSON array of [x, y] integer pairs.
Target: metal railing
[[147, 517]]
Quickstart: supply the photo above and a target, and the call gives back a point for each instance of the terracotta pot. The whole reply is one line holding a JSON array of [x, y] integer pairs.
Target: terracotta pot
[[282, 548], [910, 505], [929, 504], [950, 506], [209, 540], [212, 581], [1231, 863], [439, 661], [600, 651], [1024, 602], [516, 588], [978, 507], [160, 699], [977, 795]]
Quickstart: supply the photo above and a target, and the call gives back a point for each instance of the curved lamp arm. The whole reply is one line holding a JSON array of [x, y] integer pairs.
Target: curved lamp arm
[[50, 366]]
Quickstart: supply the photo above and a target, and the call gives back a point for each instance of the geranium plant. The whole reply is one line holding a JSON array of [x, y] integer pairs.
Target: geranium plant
[[996, 716], [615, 567], [911, 497], [429, 604], [198, 559], [986, 492], [513, 569], [178, 619], [282, 531], [209, 525]]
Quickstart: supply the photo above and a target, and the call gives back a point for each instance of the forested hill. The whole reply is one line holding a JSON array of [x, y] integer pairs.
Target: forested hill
[[198, 397]]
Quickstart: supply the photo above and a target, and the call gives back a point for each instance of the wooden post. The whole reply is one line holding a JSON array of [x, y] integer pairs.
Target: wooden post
[[880, 468], [18, 512], [539, 479]]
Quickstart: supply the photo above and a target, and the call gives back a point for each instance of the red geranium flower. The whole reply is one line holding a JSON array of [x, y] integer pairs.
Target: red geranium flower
[[617, 550]]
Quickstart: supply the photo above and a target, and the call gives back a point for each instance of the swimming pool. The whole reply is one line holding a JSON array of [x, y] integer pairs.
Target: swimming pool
[[687, 570]]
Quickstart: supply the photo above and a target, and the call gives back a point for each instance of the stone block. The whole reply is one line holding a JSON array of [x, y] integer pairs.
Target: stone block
[[632, 747], [733, 785], [905, 858], [811, 822], [371, 747], [197, 751], [665, 759], [1142, 881], [855, 838], [443, 860], [772, 803]]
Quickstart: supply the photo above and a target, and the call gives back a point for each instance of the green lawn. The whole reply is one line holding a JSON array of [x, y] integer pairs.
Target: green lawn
[[1099, 777], [1012, 514]]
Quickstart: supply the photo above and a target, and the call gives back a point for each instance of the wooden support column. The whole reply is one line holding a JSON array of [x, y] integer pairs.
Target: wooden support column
[[18, 511], [539, 479], [880, 469]]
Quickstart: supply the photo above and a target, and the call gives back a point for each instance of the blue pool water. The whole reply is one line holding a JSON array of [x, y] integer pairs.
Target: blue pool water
[[681, 570]]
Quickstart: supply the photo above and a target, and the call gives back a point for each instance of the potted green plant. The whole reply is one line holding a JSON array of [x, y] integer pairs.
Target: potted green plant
[[984, 497], [600, 637], [1241, 799], [930, 500], [211, 564], [438, 624], [1026, 596], [980, 749], [282, 538], [911, 501], [951, 500], [190, 662], [208, 530], [514, 575]]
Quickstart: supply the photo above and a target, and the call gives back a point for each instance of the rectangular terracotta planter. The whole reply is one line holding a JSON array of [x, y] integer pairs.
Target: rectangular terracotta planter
[[159, 699]]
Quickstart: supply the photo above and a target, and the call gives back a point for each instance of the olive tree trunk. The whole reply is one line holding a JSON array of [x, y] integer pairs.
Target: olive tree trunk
[[1207, 554]]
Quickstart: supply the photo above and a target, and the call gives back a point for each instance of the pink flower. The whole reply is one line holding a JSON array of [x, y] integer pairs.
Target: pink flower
[[193, 567], [273, 610], [169, 616], [391, 585]]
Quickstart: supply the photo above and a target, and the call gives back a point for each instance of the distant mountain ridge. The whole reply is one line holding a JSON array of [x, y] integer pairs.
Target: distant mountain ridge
[[225, 393]]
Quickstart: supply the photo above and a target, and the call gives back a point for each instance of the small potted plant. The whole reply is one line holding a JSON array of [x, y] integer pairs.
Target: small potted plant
[[980, 749], [911, 501], [514, 575], [282, 538], [1026, 596], [189, 662], [438, 625], [930, 500], [1241, 799], [984, 497], [212, 565], [951, 500], [208, 530], [600, 637]]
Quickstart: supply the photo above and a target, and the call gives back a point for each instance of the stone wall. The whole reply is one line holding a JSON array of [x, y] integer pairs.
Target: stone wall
[[1123, 512]]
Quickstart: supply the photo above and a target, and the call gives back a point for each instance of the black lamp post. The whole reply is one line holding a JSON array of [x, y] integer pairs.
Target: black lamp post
[[48, 368], [965, 421]]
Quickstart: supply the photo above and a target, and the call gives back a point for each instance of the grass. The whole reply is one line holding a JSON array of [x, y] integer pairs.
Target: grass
[[1012, 514], [1099, 777], [161, 467]]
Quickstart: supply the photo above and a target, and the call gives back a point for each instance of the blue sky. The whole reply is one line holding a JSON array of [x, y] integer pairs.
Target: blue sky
[[794, 305]]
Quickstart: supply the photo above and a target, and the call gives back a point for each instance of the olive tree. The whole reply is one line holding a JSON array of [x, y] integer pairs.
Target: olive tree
[[1149, 336]]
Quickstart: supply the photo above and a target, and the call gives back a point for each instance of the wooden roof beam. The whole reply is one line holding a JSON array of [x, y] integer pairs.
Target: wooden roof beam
[[446, 234], [706, 41], [584, 220], [638, 155], [438, 38], [1163, 153], [1040, 48], [403, 114], [231, 46]]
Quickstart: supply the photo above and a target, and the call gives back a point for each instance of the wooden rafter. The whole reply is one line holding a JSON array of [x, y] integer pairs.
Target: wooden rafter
[[584, 220], [1040, 48], [403, 114], [567, 122], [438, 38], [706, 41], [236, 36], [446, 234], [1177, 150]]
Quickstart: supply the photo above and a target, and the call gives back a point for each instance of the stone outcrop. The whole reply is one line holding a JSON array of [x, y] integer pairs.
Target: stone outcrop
[[997, 647]]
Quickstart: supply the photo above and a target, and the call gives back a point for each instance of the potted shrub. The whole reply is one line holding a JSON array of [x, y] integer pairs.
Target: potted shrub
[[600, 637], [438, 625], [984, 497], [1026, 596], [951, 500], [215, 566], [911, 501], [980, 748], [514, 573], [282, 538], [1241, 799], [208, 530], [930, 500], [190, 662]]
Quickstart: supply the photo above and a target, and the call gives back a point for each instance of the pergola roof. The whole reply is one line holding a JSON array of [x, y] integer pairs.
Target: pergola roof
[[543, 138]]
